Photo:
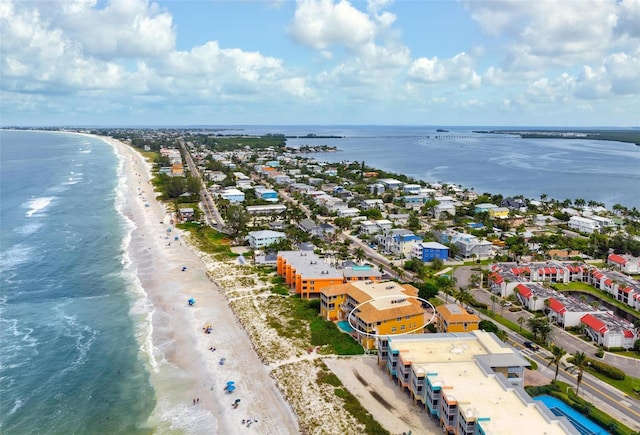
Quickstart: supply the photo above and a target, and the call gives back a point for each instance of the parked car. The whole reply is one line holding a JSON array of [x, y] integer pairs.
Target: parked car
[[530, 345]]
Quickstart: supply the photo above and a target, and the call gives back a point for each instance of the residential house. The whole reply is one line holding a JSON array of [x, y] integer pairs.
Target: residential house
[[232, 195], [369, 204], [609, 331], [186, 214], [264, 238], [499, 213], [429, 251]]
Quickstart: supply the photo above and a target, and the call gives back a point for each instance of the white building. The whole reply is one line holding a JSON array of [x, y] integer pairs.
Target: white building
[[261, 239], [584, 225]]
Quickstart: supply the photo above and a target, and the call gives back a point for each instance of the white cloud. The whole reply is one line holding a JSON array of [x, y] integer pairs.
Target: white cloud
[[322, 24], [458, 69], [80, 48], [557, 33]]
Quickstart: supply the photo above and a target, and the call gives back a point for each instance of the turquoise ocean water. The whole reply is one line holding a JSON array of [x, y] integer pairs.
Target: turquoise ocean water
[[70, 361]]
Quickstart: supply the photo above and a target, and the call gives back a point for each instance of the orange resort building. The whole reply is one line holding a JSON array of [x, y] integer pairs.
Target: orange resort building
[[308, 274], [454, 318], [469, 383], [375, 308]]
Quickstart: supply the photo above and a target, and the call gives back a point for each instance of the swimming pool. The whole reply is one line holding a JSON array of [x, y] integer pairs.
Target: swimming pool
[[579, 421], [345, 327]]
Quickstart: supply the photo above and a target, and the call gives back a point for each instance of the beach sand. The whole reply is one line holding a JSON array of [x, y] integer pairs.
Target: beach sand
[[182, 366]]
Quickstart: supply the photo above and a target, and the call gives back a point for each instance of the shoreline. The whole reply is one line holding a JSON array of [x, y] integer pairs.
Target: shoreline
[[180, 364]]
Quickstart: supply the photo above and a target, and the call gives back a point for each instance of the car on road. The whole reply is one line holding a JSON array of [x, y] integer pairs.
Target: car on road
[[530, 345]]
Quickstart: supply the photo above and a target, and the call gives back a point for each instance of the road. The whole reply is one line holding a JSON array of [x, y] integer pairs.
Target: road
[[211, 214]]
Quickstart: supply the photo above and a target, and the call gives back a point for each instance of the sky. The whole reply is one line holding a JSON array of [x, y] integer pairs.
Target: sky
[[558, 63]]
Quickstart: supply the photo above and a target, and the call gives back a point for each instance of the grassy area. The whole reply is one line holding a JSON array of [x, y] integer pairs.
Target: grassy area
[[209, 240], [586, 288], [629, 385], [509, 324], [351, 403], [566, 393]]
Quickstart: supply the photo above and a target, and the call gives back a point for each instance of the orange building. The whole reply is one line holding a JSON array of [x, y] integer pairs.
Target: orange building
[[374, 309], [308, 274], [454, 318]]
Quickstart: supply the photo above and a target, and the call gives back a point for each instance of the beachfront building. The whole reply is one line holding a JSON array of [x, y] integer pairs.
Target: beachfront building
[[264, 238], [374, 309], [454, 318], [186, 214], [361, 273], [429, 251], [484, 207], [470, 383], [306, 273]]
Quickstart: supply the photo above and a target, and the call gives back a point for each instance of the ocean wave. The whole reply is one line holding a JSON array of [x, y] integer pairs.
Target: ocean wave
[[84, 337], [29, 228], [185, 418], [15, 256], [37, 205]]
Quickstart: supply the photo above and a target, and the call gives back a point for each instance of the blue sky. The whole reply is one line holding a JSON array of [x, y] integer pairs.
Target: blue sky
[[423, 62]]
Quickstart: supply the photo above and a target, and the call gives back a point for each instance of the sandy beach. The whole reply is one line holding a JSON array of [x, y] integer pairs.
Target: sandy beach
[[183, 367]]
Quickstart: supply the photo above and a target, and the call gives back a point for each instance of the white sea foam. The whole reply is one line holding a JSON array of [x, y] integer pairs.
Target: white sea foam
[[185, 418], [38, 205], [29, 228], [142, 309], [16, 405], [14, 256]]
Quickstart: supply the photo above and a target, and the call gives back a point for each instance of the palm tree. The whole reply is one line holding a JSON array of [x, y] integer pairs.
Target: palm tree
[[359, 254], [556, 357], [475, 280], [463, 296], [503, 303], [502, 335], [494, 299], [520, 322], [580, 361]]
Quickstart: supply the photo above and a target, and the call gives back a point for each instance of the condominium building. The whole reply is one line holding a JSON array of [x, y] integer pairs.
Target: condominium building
[[470, 383]]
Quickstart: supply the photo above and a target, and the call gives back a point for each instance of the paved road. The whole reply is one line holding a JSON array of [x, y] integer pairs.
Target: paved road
[[212, 216]]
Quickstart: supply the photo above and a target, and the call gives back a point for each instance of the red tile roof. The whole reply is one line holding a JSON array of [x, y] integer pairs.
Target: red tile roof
[[627, 333], [617, 259], [594, 323], [598, 275], [608, 282], [496, 278], [626, 290], [524, 291], [557, 306]]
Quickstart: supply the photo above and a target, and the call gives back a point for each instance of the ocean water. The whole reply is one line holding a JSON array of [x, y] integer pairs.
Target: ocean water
[[602, 171], [71, 359]]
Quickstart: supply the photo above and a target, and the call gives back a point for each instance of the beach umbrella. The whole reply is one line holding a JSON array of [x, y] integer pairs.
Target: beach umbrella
[[231, 388], [230, 383], [192, 301]]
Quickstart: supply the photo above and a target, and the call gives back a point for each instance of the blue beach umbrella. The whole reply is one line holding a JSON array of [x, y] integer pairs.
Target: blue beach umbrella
[[191, 301], [230, 383], [231, 388]]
